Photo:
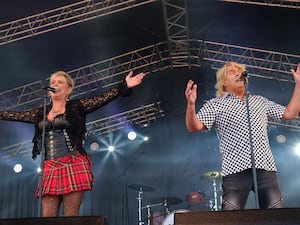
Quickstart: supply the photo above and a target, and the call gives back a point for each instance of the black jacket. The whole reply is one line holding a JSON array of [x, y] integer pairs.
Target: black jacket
[[76, 111]]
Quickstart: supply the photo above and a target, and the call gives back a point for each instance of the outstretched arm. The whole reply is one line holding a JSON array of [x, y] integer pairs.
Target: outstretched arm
[[92, 103], [293, 108], [133, 81], [191, 120], [28, 116]]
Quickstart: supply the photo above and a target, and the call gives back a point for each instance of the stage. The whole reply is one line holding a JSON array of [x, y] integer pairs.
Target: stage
[[285, 216]]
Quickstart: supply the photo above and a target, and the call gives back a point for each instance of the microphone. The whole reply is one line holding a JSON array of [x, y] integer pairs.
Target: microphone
[[243, 76], [54, 90]]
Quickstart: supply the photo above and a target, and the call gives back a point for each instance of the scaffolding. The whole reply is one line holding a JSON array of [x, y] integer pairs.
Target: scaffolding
[[178, 51]]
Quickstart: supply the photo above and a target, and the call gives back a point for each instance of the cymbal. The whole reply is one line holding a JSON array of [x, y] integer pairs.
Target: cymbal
[[141, 187], [212, 174], [168, 200]]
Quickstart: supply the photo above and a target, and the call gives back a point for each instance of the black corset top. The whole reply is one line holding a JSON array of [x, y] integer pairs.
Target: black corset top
[[57, 140], [59, 123]]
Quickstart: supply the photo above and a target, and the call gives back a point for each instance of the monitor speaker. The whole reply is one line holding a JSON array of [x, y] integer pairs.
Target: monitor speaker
[[284, 216], [84, 220]]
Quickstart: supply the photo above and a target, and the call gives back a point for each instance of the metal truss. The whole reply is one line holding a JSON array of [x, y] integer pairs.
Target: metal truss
[[63, 17], [292, 125], [177, 51], [175, 12], [176, 23], [91, 78], [277, 3], [260, 63], [141, 117]]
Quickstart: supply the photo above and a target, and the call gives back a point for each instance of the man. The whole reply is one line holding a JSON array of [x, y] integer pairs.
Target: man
[[228, 115]]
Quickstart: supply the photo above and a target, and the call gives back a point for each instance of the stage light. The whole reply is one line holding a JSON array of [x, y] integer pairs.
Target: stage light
[[145, 138], [281, 138], [111, 148], [131, 135], [297, 149], [94, 146], [18, 168]]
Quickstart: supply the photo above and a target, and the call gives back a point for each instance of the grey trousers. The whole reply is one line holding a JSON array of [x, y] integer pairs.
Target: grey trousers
[[237, 187]]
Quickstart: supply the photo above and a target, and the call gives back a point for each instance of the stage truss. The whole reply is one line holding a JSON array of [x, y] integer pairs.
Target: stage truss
[[62, 17], [274, 3], [140, 117], [177, 51]]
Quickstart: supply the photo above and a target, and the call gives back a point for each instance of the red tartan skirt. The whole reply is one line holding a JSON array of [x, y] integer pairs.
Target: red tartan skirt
[[67, 174]]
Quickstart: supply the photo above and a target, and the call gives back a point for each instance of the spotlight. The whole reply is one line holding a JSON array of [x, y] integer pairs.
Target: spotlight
[[38, 170], [281, 138], [18, 168], [94, 146], [131, 135], [144, 125], [111, 148], [297, 149], [145, 138]]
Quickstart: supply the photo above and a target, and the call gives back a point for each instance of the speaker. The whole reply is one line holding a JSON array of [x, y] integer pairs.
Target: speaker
[[284, 216], [78, 220]]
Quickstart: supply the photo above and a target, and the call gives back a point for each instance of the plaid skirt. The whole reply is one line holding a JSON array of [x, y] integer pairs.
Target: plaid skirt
[[66, 174]]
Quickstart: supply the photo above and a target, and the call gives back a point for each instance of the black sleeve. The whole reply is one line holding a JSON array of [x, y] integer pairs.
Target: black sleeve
[[123, 89], [25, 116]]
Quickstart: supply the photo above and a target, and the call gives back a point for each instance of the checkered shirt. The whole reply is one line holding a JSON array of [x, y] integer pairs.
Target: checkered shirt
[[228, 115]]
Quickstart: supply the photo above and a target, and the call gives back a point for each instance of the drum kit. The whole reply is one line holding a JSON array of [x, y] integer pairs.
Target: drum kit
[[196, 201]]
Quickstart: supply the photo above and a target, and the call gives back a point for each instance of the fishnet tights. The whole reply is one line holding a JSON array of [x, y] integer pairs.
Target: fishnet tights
[[71, 204]]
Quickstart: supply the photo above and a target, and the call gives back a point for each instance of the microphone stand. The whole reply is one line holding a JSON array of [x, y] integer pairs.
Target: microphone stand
[[251, 144], [125, 216], [125, 211], [42, 153]]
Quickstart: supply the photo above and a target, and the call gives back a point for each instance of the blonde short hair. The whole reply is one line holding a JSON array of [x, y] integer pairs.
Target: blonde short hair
[[221, 76], [67, 77]]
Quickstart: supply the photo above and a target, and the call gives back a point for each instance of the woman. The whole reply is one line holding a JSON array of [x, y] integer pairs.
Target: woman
[[67, 171]]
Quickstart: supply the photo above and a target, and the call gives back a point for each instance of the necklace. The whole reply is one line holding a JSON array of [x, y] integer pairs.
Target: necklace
[[59, 109], [56, 112]]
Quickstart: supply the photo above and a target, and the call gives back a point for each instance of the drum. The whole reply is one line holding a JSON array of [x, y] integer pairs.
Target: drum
[[194, 196], [157, 217], [197, 201], [169, 220]]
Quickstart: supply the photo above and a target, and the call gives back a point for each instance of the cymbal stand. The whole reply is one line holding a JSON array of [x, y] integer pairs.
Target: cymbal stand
[[148, 215], [166, 206], [221, 196], [215, 206], [140, 206]]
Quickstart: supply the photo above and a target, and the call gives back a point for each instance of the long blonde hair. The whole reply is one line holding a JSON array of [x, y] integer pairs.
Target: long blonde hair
[[221, 76]]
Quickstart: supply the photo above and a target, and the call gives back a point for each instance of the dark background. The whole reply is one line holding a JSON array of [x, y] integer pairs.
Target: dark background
[[173, 162]]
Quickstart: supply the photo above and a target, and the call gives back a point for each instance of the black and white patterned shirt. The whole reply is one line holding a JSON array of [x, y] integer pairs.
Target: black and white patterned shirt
[[228, 115]]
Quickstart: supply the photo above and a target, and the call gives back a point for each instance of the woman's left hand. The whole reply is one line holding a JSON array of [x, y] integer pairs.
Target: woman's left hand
[[133, 81]]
